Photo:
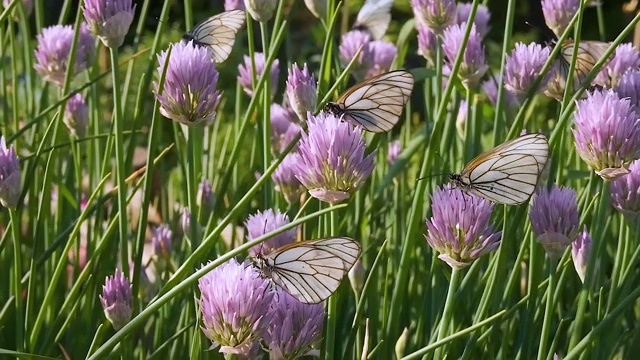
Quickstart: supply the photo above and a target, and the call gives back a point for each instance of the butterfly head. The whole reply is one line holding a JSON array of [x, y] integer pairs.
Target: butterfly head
[[333, 108], [458, 181]]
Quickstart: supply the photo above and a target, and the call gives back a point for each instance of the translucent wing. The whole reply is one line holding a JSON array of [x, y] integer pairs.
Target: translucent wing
[[509, 173], [589, 52], [374, 17], [311, 270], [218, 33], [377, 103]]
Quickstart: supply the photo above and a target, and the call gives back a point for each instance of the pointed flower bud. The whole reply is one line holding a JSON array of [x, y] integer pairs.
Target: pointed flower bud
[[473, 65], [205, 198], [554, 219], [580, 252], [317, 7], [558, 13], [76, 116], [10, 176], [427, 44], [261, 10], [245, 77], [264, 222], [284, 127], [395, 148], [301, 91], [357, 276], [109, 20], [117, 300], [285, 179], [162, 240], [625, 193]]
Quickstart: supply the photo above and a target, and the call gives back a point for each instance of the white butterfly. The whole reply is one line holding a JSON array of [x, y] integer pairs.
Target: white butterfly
[[509, 173], [374, 17], [218, 33], [310, 270], [377, 103]]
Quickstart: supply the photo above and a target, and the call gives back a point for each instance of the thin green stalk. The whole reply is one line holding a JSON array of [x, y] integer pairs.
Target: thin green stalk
[[548, 312], [17, 276], [447, 312], [332, 306]]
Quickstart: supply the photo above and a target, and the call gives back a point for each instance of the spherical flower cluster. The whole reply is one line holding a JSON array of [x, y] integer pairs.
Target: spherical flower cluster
[[189, 96], [629, 88], [473, 65], [626, 58], [554, 219], [245, 75], [523, 67], [625, 193], [459, 228], [109, 19], [333, 162], [435, 14], [558, 13], [53, 50], [375, 57], [481, 20], [264, 222], [607, 133]]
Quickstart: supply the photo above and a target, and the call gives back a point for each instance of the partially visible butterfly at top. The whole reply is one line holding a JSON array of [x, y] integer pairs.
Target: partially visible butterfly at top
[[374, 17], [218, 33]]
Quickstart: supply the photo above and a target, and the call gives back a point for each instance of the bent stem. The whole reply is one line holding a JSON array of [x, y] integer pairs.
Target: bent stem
[[446, 313]]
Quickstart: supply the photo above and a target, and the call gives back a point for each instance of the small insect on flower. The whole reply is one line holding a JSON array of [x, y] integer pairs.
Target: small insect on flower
[[218, 33], [375, 104], [509, 173], [311, 270], [374, 17]]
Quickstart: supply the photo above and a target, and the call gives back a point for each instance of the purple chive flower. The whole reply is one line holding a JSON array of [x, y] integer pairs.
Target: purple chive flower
[[301, 91], [481, 21], [261, 10], [625, 193], [205, 198], [435, 14], [607, 133], [473, 65], [629, 87], [580, 252], [427, 44], [235, 303], [27, 6], [9, 176], [333, 164], [523, 67], [189, 95], [317, 7], [383, 54], [54, 47], [393, 152], [233, 5], [186, 224], [162, 239], [295, 329], [117, 300], [626, 58], [554, 219], [459, 228], [284, 127], [76, 116], [244, 73], [350, 43], [490, 87], [558, 13], [285, 179], [264, 222], [109, 20]]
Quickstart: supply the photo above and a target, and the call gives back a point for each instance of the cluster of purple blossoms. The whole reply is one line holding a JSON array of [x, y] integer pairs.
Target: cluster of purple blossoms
[[437, 15], [607, 133], [427, 44], [53, 50], [554, 219], [10, 176], [245, 74], [301, 91], [522, 68], [284, 127], [109, 20], [241, 310], [473, 65], [459, 228], [625, 59], [333, 164], [264, 222], [490, 87], [285, 179], [481, 20], [629, 87], [117, 300], [558, 13], [375, 58], [189, 95], [625, 193], [76, 116], [580, 252]]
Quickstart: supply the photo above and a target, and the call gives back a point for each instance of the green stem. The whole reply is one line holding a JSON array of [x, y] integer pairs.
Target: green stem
[[17, 276], [332, 306], [443, 330], [548, 312]]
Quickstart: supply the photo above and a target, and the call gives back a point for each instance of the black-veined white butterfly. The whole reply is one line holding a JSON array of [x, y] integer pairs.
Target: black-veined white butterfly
[[589, 52], [509, 173], [218, 33], [375, 104], [374, 17], [310, 270]]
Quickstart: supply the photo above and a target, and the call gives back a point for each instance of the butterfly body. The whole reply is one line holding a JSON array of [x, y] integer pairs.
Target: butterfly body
[[588, 54], [218, 33], [509, 173], [310, 270], [376, 103]]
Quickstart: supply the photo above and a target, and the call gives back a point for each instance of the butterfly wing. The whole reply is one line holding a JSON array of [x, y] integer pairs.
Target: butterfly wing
[[377, 103], [218, 33], [589, 52], [509, 173], [312, 270], [374, 17]]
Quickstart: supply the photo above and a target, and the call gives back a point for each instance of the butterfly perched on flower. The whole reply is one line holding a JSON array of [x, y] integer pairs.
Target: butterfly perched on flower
[[507, 174], [218, 33], [376, 103], [311, 270]]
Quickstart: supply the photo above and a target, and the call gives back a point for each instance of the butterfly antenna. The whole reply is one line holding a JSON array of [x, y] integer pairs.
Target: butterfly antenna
[[167, 24]]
